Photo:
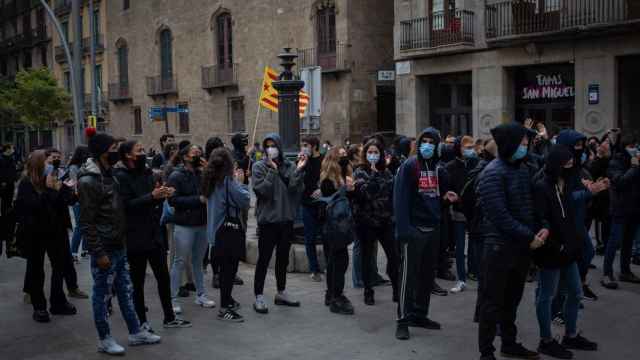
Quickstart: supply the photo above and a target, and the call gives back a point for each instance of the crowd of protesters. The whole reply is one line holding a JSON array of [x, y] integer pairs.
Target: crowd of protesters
[[519, 203]]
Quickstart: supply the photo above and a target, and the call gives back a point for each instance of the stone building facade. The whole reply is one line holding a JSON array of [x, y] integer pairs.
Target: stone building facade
[[465, 65], [209, 57]]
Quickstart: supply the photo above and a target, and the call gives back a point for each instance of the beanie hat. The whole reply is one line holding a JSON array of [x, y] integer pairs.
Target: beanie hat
[[100, 144]]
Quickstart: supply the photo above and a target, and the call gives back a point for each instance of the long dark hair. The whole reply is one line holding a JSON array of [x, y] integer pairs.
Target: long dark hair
[[219, 167], [80, 155], [34, 169], [381, 165]]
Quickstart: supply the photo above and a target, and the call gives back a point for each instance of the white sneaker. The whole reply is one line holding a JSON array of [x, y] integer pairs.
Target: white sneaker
[[204, 301], [460, 286], [143, 338], [146, 327], [109, 346], [317, 277], [177, 309]]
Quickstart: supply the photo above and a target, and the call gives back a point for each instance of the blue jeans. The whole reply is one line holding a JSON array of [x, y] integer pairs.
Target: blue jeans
[[568, 278], [459, 237], [76, 239], [588, 252], [357, 264], [622, 235], [636, 243], [309, 219], [189, 240], [115, 277]]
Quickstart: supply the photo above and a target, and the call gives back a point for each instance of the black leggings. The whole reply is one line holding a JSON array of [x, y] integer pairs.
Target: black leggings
[[228, 268], [369, 238], [278, 236], [157, 259], [35, 277]]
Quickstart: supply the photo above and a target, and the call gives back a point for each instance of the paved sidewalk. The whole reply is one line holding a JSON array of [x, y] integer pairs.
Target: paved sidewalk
[[309, 332]]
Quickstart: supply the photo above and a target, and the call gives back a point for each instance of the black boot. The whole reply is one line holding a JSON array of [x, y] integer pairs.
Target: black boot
[[402, 332], [368, 297], [63, 309], [41, 316]]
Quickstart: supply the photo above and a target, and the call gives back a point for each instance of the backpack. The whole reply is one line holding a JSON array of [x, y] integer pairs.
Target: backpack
[[338, 224]]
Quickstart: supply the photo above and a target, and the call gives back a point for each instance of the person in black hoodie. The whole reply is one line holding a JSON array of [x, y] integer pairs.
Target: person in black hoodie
[[311, 149], [510, 231], [373, 208], [421, 190], [40, 205], [8, 177], [624, 174], [142, 198], [558, 257]]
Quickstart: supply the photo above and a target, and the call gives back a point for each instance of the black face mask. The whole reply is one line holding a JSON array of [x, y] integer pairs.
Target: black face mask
[[140, 162], [565, 173], [577, 156], [344, 161], [195, 161], [113, 157], [56, 163]]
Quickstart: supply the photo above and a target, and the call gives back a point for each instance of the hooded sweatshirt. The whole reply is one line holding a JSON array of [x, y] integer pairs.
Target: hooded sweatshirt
[[505, 194], [278, 191], [418, 192], [239, 142]]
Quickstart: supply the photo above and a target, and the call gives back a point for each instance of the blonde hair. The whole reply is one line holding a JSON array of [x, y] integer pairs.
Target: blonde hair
[[331, 169]]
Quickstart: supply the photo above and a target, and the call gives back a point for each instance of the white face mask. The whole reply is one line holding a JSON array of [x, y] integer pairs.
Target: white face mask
[[273, 152]]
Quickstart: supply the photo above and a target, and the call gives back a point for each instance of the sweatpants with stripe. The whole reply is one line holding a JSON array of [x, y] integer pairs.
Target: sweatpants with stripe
[[417, 274]]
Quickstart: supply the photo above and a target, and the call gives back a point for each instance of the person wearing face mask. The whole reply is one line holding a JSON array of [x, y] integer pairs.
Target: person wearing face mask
[[190, 218], [458, 169], [624, 173], [421, 190], [558, 257], [102, 223], [311, 149], [8, 177], [510, 232], [142, 199], [278, 184], [373, 209]]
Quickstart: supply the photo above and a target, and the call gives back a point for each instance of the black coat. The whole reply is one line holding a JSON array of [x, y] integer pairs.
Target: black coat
[[373, 200], [189, 210], [142, 212], [458, 170], [42, 216], [625, 187]]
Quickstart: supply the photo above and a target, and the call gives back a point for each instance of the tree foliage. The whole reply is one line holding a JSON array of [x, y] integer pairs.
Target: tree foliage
[[37, 100]]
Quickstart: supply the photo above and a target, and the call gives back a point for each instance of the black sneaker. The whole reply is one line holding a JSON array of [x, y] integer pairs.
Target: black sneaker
[[609, 282], [176, 323], [341, 305], [41, 316], [517, 351], [368, 297], [446, 275], [635, 260], [190, 286], [592, 267], [472, 277], [230, 316], [327, 299], [425, 323], [235, 306], [579, 343], [438, 291], [588, 294], [600, 249], [64, 309], [380, 281], [183, 292], [402, 332], [238, 281], [215, 281], [629, 277], [554, 349]]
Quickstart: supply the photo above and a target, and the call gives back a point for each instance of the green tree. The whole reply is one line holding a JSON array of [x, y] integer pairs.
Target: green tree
[[7, 112], [37, 100]]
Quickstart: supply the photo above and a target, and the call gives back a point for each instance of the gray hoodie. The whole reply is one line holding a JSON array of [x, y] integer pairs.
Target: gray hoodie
[[278, 191]]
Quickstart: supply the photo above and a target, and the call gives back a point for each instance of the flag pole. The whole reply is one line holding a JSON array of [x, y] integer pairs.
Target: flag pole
[[255, 125]]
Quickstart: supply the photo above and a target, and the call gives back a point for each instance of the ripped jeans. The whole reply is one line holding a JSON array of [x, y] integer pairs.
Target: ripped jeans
[[115, 277]]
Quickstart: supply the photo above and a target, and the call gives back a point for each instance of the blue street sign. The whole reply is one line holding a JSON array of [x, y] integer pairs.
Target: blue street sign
[[183, 110], [171, 109]]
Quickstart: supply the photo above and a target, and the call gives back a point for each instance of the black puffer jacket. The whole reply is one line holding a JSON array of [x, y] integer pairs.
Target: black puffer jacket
[[555, 211], [373, 201], [141, 210], [625, 186], [190, 211], [101, 210], [505, 194]]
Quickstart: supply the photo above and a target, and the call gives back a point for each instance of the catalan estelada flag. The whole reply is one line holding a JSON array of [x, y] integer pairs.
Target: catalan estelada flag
[[269, 95]]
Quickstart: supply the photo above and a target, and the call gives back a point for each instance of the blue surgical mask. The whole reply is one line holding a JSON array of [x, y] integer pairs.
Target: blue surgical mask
[[48, 169], [426, 150], [520, 153], [373, 158], [633, 152], [469, 153], [554, 141], [583, 158]]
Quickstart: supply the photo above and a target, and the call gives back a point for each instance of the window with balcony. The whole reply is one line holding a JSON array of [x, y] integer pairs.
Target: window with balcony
[[26, 24], [183, 119], [166, 66], [96, 25], [224, 40], [65, 29], [67, 81], [236, 113], [27, 60], [123, 64], [137, 121], [326, 35], [99, 77], [44, 60]]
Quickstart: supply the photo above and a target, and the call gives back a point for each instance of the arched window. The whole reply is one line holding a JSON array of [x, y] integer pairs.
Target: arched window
[[166, 66], [224, 41], [123, 64]]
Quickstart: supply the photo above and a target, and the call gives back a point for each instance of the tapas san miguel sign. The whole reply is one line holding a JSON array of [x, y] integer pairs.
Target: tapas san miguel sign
[[539, 85]]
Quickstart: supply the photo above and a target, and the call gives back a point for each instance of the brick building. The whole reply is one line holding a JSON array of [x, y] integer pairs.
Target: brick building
[[465, 65], [209, 57]]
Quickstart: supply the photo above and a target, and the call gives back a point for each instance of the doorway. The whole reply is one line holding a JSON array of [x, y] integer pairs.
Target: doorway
[[386, 108], [629, 88]]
